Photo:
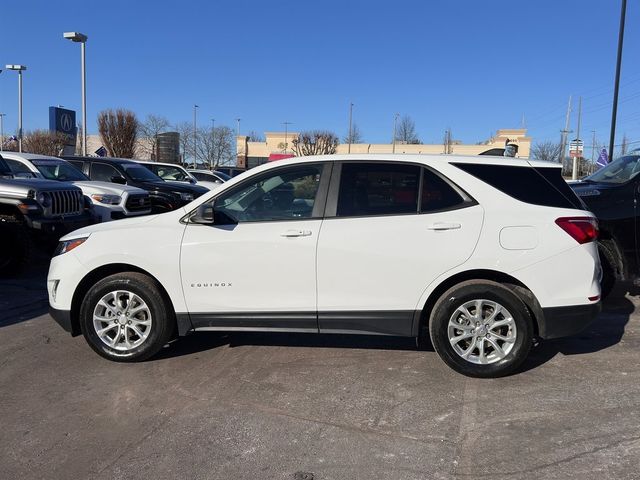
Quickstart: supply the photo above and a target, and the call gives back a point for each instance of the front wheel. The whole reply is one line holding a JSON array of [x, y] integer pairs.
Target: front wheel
[[125, 318], [481, 329]]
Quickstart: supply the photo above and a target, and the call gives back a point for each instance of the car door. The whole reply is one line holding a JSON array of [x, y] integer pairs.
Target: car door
[[390, 229], [255, 266]]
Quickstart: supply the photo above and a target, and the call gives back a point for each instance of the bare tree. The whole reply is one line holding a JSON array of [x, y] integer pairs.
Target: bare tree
[[316, 142], [118, 131], [624, 145], [547, 151], [255, 136], [215, 146], [185, 129], [44, 142], [149, 130], [406, 131], [356, 135]]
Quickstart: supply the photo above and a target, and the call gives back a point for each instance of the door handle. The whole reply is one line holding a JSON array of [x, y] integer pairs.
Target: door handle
[[444, 226], [296, 233]]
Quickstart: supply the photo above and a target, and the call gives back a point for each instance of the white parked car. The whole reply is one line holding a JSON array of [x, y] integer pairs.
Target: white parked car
[[479, 254], [209, 176], [172, 172], [110, 201]]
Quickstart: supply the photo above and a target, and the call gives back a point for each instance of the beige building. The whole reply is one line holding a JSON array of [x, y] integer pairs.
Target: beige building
[[252, 154]]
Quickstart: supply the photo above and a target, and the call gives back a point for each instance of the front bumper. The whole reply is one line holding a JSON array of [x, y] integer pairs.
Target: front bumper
[[60, 226], [557, 322], [63, 318]]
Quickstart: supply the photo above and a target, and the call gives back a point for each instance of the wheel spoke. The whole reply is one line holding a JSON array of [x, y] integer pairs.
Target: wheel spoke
[[496, 347], [481, 351], [502, 323], [464, 336], [106, 329]]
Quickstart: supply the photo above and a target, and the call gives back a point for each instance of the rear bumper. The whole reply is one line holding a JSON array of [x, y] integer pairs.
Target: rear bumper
[[63, 318], [560, 322]]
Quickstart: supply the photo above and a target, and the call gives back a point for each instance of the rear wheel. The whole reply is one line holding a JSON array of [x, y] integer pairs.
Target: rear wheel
[[606, 252], [481, 329], [125, 317]]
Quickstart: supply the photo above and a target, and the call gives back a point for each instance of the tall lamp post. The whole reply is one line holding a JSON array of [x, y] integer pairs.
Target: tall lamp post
[[19, 69], [195, 137], [80, 38], [2, 115], [616, 84]]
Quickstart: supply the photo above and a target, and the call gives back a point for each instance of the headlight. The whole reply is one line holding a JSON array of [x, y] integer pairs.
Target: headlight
[[107, 199], [187, 197], [44, 199], [68, 245]]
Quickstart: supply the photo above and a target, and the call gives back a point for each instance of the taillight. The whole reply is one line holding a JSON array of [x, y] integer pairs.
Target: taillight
[[582, 229]]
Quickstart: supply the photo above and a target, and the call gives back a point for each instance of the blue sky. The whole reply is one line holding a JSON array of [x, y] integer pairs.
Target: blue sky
[[470, 66]]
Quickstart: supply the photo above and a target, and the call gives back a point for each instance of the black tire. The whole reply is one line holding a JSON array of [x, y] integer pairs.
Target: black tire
[[16, 245], [472, 290], [162, 325], [607, 256]]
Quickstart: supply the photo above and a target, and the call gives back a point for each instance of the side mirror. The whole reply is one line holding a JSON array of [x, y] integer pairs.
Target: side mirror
[[118, 179], [204, 215]]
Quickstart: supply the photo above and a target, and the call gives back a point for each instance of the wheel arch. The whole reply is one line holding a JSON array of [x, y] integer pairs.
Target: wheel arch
[[515, 285], [613, 252], [101, 272]]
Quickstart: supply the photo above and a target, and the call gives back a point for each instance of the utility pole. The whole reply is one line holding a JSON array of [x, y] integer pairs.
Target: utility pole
[[2, 115], [238, 120], [350, 131], [395, 122], [195, 137], [286, 124], [614, 111], [564, 133], [574, 173]]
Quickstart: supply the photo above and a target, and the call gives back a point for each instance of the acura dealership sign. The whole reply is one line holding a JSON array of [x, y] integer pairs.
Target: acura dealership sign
[[64, 121]]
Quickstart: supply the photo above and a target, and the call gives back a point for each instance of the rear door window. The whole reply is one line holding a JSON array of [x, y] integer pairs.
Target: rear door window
[[539, 186], [378, 189], [103, 172], [438, 194]]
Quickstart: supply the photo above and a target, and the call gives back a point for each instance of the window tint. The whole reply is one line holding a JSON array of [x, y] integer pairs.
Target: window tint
[[286, 194], [378, 189], [103, 172], [79, 165], [19, 168], [437, 194], [539, 186]]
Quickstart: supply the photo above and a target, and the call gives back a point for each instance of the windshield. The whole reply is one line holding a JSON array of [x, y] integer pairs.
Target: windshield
[[222, 175], [139, 173], [620, 170], [52, 170], [4, 168], [171, 173]]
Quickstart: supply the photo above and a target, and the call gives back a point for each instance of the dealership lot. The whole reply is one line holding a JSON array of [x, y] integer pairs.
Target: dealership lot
[[276, 405]]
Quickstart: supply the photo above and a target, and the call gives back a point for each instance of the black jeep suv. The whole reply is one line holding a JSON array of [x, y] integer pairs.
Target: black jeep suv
[[165, 196], [613, 195]]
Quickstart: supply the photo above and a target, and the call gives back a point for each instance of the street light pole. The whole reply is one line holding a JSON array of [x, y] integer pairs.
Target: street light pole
[[2, 115], [286, 125], [81, 38], [213, 140], [350, 130], [19, 69], [614, 111], [195, 137], [395, 121], [238, 120]]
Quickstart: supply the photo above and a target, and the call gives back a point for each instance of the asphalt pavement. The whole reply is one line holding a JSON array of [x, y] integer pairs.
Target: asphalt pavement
[[276, 406]]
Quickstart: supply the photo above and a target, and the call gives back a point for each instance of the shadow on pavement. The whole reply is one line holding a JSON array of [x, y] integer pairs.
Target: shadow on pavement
[[25, 296], [606, 331]]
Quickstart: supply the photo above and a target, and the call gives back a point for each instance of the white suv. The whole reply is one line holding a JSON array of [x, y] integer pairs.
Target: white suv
[[109, 200], [479, 253]]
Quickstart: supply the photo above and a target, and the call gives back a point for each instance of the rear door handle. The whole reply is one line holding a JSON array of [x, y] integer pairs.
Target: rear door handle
[[296, 233], [444, 226]]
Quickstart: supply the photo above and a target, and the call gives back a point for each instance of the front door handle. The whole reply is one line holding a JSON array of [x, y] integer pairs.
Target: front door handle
[[444, 226], [296, 233]]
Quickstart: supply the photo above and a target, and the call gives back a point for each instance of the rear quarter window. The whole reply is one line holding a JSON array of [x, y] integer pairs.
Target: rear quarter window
[[536, 185]]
